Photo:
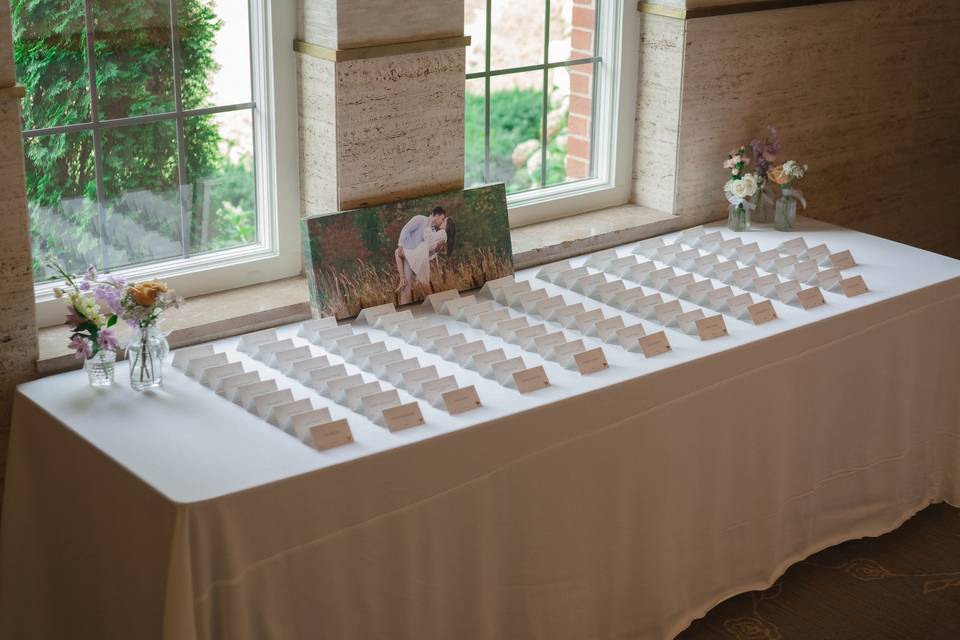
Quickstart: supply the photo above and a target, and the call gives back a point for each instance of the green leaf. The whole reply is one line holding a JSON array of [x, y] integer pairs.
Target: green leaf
[[112, 321]]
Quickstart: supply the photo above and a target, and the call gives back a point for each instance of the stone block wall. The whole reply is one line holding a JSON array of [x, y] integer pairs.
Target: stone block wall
[[580, 115]]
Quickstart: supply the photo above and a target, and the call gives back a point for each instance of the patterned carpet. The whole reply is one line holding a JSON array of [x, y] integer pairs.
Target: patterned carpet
[[903, 585]]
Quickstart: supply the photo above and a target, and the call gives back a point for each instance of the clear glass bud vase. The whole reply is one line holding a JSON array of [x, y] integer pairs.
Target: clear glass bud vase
[[738, 219], [146, 353], [100, 368], [765, 204], [785, 211]]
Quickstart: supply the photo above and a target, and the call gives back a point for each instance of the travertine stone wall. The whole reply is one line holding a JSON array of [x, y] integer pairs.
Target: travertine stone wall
[[658, 111], [318, 135], [348, 24]]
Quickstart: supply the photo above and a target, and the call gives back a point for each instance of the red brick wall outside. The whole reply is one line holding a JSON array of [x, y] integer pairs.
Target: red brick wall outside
[[580, 115]]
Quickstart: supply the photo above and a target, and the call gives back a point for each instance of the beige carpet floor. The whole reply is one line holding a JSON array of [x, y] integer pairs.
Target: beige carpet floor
[[904, 585]]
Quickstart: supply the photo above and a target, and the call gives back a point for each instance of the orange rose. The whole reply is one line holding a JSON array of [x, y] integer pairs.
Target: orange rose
[[778, 175], [145, 293]]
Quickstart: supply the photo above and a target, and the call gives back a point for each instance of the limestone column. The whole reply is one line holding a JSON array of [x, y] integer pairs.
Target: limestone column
[[18, 332], [380, 101]]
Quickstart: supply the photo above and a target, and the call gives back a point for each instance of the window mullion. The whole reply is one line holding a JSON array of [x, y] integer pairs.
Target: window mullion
[[181, 143], [486, 96], [97, 146], [546, 98]]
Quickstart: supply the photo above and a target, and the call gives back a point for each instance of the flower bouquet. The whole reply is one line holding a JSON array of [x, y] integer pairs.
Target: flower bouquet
[[785, 210], [739, 190], [765, 152], [141, 305]]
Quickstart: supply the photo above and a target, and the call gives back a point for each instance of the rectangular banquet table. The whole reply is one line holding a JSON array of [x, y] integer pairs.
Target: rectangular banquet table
[[620, 504]]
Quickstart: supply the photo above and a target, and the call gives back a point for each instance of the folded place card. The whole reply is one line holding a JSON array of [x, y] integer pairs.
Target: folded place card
[[692, 234], [550, 271], [283, 360], [280, 414], [621, 266], [544, 344], [787, 291], [811, 298], [432, 390], [794, 247], [525, 335], [712, 327], [506, 328], [462, 353], [710, 241], [301, 423], [628, 337], [766, 259], [678, 284], [854, 286], [425, 336], [819, 254], [503, 371], [584, 322], [667, 312], [667, 252], [436, 300], [641, 272], [606, 292], [590, 361], [529, 300], [543, 306], [248, 342], [336, 388], [567, 278], [489, 320], [565, 315], [413, 378], [244, 394], [606, 328], [330, 435], [747, 252], [182, 357], [395, 370], [369, 315], [266, 350], [717, 297], [528, 380], [743, 277], [402, 416], [345, 346], [829, 278], [196, 366], [483, 362], [379, 361], [229, 384], [563, 353], [805, 271], [301, 368], [451, 307], [263, 403], [697, 292], [586, 284], [723, 270], [311, 327], [842, 260], [212, 376], [649, 246], [457, 401], [658, 279], [361, 355], [625, 297], [784, 265], [388, 321], [468, 314], [728, 248], [602, 258], [644, 306], [509, 295], [687, 321], [319, 376], [443, 345], [762, 312], [372, 405], [345, 390], [686, 259], [704, 264], [765, 285], [329, 337], [654, 344], [491, 288]]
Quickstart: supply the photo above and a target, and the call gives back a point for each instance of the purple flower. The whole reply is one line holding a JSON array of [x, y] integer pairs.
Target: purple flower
[[82, 347], [107, 339], [108, 297]]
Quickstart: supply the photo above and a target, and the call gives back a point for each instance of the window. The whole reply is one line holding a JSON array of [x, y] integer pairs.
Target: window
[[148, 138], [544, 70]]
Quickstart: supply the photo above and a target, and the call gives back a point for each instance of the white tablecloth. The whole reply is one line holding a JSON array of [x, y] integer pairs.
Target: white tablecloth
[[619, 505]]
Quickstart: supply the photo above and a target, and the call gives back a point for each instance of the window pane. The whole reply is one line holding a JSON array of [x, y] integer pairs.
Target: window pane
[[62, 196], [51, 58], [220, 190], [572, 27], [473, 128], [134, 57], [142, 195], [570, 148], [516, 105], [214, 52], [516, 38], [475, 26]]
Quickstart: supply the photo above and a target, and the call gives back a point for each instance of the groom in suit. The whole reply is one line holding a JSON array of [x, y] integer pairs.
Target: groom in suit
[[412, 234]]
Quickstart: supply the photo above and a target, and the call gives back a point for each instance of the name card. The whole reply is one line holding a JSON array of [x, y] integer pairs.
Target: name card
[[805, 271], [529, 300], [686, 259], [621, 266], [427, 335], [328, 337], [591, 361], [286, 359], [432, 390], [463, 353], [629, 337], [483, 362], [544, 344], [766, 259], [692, 234], [509, 295], [606, 328], [229, 384], [762, 312], [711, 241], [787, 291], [819, 254], [487, 321], [649, 246], [266, 350], [370, 314], [640, 272], [678, 284], [444, 345], [627, 296], [602, 258], [336, 388], [474, 311], [712, 327], [346, 345], [746, 253], [280, 414], [330, 435], [362, 354], [743, 277], [264, 403], [212, 376], [567, 277], [660, 277], [542, 307], [550, 271], [728, 248], [784, 265], [654, 344], [811, 298], [525, 335], [794, 247], [565, 314], [704, 264], [310, 327], [301, 423], [378, 362], [457, 401], [527, 380], [723, 270], [738, 304], [402, 416], [829, 278], [667, 311], [373, 404], [645, 306], [319, 375], [196, 366], [247, 343], [563, 353], [244, 395], [491, 288], [697, 292], [389, 321], [436, 300], [687, 321], [606, 292], [452, 306], [413, 378], [854, 286], [182, 357], [506, 328], [584, 321], [765, 285], [395, 370], [842, 260], [503, 371], [718, 297], [667, 252], [587, 284]]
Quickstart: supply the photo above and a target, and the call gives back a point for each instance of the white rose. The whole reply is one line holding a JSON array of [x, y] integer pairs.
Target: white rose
[[749, 185]]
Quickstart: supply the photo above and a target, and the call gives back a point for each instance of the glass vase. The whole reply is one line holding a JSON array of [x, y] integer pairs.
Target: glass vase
[[738, 219], [146, 353], [785, 212], [100, 368], [765, 205]]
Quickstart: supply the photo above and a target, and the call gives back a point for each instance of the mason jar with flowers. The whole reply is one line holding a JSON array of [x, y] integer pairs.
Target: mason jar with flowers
[[140, 306], [739, 190], [785, 209]]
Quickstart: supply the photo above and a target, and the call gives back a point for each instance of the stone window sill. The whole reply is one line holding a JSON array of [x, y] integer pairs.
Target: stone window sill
[[261, 306]]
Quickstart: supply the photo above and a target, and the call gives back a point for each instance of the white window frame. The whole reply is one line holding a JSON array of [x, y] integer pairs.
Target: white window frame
[[276, 254], [612, 140]]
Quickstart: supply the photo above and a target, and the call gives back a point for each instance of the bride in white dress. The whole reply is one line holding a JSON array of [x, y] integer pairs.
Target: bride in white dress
[[418, 258]]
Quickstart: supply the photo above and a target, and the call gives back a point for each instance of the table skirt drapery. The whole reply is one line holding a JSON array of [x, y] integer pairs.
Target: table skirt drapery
[[623, 513]]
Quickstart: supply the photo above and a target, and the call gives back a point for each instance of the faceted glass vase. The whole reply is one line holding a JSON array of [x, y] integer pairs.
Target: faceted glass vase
[[146, 353], [765, 204], [785, 212], [738, 219], [100, 368]]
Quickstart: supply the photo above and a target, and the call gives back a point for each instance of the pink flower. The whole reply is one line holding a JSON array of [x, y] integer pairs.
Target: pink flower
[[81, 346], [107, 339], [730, 164]]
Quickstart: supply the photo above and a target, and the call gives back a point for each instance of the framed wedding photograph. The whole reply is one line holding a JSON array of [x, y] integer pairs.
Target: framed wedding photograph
[[403, 251]]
